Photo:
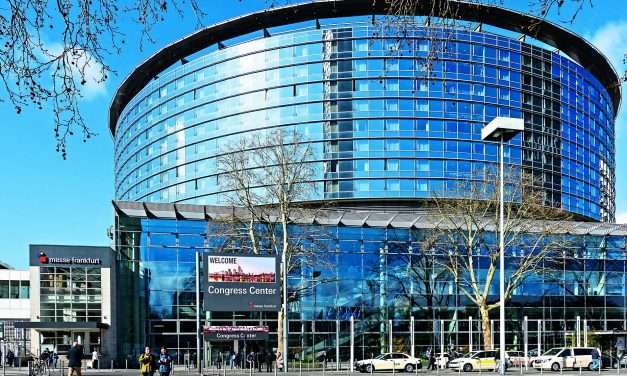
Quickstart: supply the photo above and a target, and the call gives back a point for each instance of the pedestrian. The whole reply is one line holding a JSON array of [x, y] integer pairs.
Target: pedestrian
[[219, 360], [45, 355], [432, 364], [11, 358], [259, 360], [232, 359], [269, 361], [146, 361], [595, 359], [279, 361], [55, 359], [165, 362], [251, 360], [94, 359], [74, 356], [323, 359]]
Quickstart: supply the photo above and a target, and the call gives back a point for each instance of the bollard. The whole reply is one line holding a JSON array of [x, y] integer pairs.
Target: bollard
[[111, 365], [300, 367], [126, 363]]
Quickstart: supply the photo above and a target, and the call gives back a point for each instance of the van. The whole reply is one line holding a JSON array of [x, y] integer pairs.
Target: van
[[559, 358]]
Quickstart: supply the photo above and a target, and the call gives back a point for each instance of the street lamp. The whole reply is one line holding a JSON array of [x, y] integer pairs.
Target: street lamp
[[502, 129]]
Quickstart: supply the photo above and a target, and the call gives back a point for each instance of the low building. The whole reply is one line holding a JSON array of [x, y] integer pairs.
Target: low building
[[72, 298], [14, 306]]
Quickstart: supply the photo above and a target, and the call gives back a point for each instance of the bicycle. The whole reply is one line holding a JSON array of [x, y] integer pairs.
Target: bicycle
[[39, 367]]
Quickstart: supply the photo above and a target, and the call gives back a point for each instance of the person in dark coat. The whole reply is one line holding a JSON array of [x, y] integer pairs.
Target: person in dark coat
[[259, 360], [269, 361], [432, 362], [74, 357]]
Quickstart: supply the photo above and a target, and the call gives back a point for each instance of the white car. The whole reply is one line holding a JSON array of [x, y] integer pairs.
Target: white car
[[565, 357], [387, 362], [476, 360]]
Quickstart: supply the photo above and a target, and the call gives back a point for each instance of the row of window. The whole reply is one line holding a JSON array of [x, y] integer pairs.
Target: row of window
[[14, 289]]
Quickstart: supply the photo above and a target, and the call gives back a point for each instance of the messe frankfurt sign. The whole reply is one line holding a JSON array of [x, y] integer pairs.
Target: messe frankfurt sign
[[42, 255], [44, 259]]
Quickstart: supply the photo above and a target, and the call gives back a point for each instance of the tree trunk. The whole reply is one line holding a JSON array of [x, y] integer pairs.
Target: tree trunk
[[486, 328]]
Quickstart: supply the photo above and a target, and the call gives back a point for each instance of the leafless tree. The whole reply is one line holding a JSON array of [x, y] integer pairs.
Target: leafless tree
[[52, 50], [465, 233], [269, 175]]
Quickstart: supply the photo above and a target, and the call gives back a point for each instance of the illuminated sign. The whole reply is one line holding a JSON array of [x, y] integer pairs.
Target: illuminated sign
[[241, 283]]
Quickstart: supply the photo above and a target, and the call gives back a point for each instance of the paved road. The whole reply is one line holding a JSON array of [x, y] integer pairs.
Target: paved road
[[304, 372]]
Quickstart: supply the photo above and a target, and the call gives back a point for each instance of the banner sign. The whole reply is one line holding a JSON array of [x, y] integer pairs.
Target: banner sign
[[241, 283], [230, 333]]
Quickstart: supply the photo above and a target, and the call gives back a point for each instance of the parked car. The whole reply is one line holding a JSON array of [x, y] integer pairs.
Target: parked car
[[516, 358], [476, 360], [608, 361], [442, 360], [387, 362], [532, 355], [565, 357]]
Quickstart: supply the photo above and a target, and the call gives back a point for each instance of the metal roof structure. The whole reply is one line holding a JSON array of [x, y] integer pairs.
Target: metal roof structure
[[347, 217], [574, 46]]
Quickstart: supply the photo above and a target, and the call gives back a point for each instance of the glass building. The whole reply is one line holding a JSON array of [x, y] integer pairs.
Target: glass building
[[371, 266], [388, 122], [394, 118]]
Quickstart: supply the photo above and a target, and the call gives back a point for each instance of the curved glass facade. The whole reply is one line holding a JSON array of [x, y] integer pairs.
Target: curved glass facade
[[386, 122], [380, 276]]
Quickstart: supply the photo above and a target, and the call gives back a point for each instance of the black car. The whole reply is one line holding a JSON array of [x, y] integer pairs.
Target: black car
[[608, 361]]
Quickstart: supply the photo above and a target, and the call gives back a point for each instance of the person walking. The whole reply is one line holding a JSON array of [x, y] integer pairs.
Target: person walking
[[74, 357], [279, 361], [595, 359], [232, 359], [94, 359], [165, 362], [146, 361], [11, 358], [219, 360], [259, 360], [432, 363], [269, 361]]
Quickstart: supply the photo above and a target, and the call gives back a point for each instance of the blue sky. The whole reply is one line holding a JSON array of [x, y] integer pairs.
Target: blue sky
[[44, 199]]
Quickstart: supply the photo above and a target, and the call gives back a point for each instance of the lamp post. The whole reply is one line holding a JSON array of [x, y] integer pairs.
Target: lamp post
[[501, 130], [315, 276]]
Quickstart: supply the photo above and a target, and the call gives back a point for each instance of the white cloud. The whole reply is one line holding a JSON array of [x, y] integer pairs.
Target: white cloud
[[94, 86], [611, 39], [621, 218]]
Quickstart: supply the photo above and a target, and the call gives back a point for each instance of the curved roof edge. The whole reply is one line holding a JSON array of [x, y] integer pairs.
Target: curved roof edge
[[347, 217], [568, 42]]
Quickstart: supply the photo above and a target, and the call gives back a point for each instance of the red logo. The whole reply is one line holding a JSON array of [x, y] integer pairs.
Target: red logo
[[43, 259]]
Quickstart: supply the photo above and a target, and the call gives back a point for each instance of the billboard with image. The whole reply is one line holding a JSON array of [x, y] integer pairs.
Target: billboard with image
[[241, 283]]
